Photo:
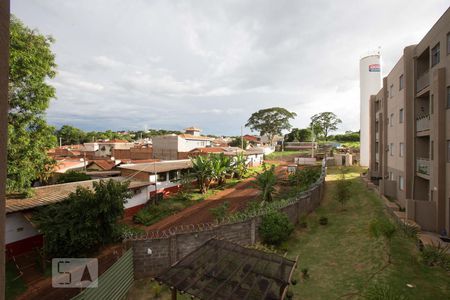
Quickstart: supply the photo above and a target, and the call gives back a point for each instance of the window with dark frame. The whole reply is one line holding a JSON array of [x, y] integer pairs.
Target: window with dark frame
[[400, 116], [401, 83], [401, 183], [435, 55], [448, 97], [448, 43], [402, 149], [448, 151], [432, 150]]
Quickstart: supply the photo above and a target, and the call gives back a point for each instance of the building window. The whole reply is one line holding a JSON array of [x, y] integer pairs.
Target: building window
[[432, 104], [391, 120], [391, 91], [376, 147], [435, 55], [432, 150], [173, 176], [448, 151], [402, 150], [401, 83], [400, 116], [448, 43], [391, 176], [391, 149], [161, 177], [448, 97], [401, 183]]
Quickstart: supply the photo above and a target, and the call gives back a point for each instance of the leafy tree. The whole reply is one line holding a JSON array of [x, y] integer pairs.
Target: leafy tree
[[266, 182], [298, 135], [31, 64], [72, 176], [238, 143], [305, 177], [322, 124], [383, 228], [275, 228], [270, 121], [84, 221], [71, 135]]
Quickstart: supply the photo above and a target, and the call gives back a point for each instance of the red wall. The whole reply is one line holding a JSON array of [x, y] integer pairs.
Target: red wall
[[25, 245]]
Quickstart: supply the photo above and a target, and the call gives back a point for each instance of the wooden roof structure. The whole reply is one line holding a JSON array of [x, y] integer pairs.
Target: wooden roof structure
[[223, 270]]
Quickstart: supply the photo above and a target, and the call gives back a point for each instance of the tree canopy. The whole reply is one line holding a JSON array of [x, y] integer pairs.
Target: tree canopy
[[271, 121], [298, 135], [31, 64], [322, 124], [84, 221]]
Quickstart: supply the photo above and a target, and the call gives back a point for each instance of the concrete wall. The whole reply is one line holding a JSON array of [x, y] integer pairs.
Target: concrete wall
[[170, 246]]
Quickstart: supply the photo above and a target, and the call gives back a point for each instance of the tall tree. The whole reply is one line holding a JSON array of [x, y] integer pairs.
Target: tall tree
[[70, 135], [271, 121], [32, 63], [323, 123]]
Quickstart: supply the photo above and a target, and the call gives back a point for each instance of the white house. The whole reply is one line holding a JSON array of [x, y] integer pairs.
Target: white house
[[105, 149], [172, 147]]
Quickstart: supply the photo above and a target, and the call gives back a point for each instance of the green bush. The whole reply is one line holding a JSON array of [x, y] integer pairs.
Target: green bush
[[153, 213], [72, 176], [275, 228], [436, 255], [305, 177], [323, 221], [383, 292]]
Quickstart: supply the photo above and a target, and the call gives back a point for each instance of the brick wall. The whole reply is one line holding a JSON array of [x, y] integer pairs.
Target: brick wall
[[172, 245]]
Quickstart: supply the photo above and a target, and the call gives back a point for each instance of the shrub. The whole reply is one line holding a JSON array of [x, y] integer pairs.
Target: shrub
[[305, 177], [323, 221], [275, 228], [305, 273], [221, 211], [384, 228], [266, 182], [153, 213], [436, 255], [72, 176], [383, 292], [342, 191]]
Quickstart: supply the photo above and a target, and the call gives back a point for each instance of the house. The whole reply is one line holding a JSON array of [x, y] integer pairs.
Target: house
[[133, 153], [105, 148], [21, 234], [164, 176], [173, 147]]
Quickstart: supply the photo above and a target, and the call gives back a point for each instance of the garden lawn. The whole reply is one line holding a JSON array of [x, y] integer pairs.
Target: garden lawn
[[343, 260]]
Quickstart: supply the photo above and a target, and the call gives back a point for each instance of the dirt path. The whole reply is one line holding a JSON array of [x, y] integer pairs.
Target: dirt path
[[237, 198]]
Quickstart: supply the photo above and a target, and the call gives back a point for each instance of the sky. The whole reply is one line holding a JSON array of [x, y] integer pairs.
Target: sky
[[171, 64]]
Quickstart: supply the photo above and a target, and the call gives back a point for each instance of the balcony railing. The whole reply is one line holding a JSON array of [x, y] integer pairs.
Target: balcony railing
[[423, 166], [422, 82], [423, 123]]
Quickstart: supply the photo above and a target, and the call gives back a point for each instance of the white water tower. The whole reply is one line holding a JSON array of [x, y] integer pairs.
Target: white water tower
[[370, 84]]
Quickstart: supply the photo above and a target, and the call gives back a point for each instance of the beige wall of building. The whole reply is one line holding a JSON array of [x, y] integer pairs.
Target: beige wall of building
[[421, 170]]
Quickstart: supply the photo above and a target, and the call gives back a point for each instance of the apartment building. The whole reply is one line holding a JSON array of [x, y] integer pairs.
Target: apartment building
[[410, 131], [173, 147]]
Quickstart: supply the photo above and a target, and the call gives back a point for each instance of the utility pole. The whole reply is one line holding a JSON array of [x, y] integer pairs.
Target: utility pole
[[4, 74], [242, 139]]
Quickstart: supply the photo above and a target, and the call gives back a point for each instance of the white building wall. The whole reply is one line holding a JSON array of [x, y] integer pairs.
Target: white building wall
[[18, 228], [370, 84], [141, 197]]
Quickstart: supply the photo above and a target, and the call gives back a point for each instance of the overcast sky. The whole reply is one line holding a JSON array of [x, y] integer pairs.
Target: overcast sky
[[171, 64]]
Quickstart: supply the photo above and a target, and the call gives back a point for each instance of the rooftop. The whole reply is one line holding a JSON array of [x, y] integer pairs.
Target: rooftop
[[50, 194], [223, 270], [161, 166]]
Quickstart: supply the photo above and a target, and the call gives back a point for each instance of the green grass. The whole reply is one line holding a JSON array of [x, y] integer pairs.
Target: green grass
[[14, 286], [342, 256]]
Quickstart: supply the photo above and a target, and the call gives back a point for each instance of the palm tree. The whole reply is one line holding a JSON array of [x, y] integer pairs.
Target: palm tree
[[221, 166], [203, 171], [266, 182], [240, 166]]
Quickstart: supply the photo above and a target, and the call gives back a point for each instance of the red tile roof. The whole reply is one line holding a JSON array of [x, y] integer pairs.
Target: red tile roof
[[104, 164]]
